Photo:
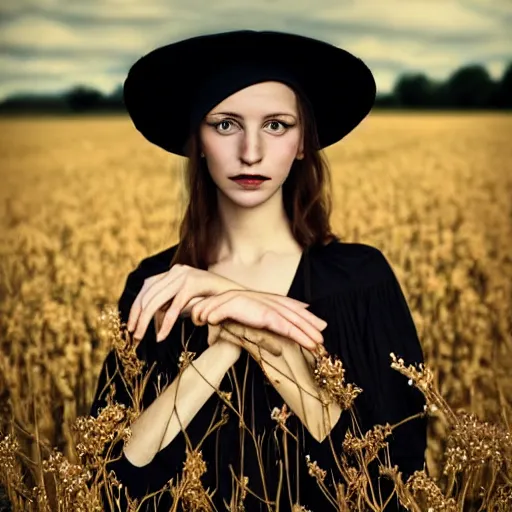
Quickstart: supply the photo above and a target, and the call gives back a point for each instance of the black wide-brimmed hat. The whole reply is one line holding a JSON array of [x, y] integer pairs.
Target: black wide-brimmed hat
[[168, 91]]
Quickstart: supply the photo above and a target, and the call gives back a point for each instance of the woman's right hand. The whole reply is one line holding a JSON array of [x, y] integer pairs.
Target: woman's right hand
[[260, 310]]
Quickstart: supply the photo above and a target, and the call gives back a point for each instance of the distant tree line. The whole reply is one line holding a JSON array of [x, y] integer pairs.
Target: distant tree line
[[469, 87]]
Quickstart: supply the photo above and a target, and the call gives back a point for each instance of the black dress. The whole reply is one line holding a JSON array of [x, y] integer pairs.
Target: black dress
[[354, 289]]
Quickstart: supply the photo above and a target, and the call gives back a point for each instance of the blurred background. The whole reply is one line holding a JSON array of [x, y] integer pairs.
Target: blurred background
[[73, 56], [426, 178]]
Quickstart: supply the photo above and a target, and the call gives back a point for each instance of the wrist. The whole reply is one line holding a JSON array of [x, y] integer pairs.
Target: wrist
[[228, 285], [226, 350]]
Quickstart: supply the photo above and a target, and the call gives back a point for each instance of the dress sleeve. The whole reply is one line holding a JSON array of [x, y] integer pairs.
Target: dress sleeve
[[389, 327], [367, 321], [139, 480]]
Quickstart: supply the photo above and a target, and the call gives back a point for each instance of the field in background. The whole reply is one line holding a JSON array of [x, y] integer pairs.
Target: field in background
[[83, 200]]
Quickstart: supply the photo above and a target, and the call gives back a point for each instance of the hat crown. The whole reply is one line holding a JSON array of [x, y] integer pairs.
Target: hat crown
[[222, 84]]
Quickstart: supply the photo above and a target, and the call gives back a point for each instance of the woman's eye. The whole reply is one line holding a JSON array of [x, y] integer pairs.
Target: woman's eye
[[226, 123], [284, 126], [275, 123], [222, 123]]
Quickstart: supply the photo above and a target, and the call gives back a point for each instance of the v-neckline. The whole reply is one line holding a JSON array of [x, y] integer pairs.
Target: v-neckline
[[296, 275]]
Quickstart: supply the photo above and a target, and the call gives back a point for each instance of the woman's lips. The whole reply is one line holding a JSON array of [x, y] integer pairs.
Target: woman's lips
[[248, 183]]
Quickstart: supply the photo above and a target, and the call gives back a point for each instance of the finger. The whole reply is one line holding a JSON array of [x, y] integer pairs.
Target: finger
[[217, 307], [187, 310], [243, 310], [173, 312], [318, 323], [185, 299], [163, 300], [136, 308], [211, 303], [289, 302], [196, 312], [295, 305], [283, 326], [281, 299], [169, 280], [152, 285], [305, 320]]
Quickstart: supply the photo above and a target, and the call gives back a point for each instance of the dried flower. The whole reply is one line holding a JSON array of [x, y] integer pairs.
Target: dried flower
[[243, 493], [422, 378], [314, 470], [504, 498], [300, 508], [191, 490], [71, 480], [186, 358], [472, 442], [372, 442], [330, 376], [93, 433], [226, 396], [421, 485], [281, 415], [9, 462], [122, 342]]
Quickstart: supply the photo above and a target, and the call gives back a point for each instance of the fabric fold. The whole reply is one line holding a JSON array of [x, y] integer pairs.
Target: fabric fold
[[365, 324]]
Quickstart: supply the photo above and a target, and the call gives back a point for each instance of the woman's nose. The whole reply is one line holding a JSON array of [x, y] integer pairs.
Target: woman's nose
[[251, 151]]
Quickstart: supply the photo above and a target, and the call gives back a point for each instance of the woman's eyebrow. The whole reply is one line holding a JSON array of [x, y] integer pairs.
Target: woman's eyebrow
[[234, 114]]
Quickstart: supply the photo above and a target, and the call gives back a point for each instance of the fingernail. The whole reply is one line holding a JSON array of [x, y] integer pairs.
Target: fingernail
[[160, 337]]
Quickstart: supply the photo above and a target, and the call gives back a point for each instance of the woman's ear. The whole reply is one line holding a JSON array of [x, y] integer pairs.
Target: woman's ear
[[300, 152]]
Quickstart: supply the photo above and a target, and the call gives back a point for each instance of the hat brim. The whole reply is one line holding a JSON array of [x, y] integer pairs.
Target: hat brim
[[160, 86]]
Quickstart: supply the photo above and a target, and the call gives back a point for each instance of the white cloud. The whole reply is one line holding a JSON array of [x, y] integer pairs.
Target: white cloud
[[429, 16], [119, 12], [38, 33], [412, 55], [52, 44], [51, 67], [385, 81], [496, 68], [33, 32]]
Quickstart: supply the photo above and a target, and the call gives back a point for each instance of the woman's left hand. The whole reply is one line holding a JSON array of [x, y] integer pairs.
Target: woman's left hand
[[262, 312]]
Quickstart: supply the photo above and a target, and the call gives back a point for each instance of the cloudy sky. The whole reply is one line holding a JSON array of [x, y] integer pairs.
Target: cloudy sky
[[50, 45]]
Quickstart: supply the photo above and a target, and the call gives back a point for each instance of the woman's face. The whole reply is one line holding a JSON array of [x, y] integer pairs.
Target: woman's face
[[254, 131]]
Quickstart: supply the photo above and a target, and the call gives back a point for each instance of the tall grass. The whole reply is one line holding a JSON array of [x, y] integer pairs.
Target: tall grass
[[84, 200]]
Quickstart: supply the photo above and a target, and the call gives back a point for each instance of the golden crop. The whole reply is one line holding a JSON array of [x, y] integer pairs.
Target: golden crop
[[84, 199]]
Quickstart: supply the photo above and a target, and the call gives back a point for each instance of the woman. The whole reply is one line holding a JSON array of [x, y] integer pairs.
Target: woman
[[257, 253]]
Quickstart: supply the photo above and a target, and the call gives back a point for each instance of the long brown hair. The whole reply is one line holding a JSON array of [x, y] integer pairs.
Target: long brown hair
[[306, 196]]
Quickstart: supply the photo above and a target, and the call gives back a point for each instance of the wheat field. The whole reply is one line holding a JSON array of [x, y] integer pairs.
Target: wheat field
[[84, 199]]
